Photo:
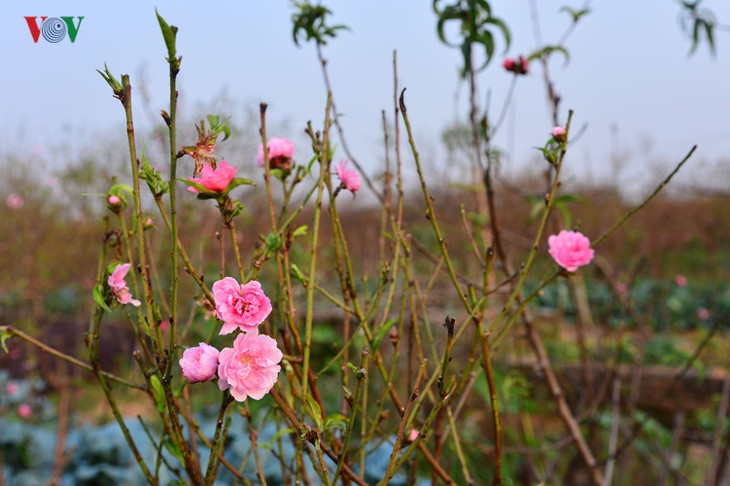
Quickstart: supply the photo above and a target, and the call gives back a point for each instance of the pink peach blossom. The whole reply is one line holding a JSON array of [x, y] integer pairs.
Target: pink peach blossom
[[14, 201], [250, 368], [413, 435], [508, 64], [199, 363], [11, 388], [680, 280], [350, 178], [570, 250], [215, 180], [517, 66], [558, 132], [113, 200], [24, 411], [703, 313], [119, 286], [281, 150], [240, 306]]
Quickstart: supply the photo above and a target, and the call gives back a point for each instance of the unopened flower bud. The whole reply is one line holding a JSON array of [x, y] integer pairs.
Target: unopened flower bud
[[559, 134]]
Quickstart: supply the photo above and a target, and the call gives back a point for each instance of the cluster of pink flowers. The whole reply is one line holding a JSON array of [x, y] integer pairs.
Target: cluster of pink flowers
[[570, 250], [249, 368], [119, 286], [280, 151], [518, 66], [215, 180], [349, 177]]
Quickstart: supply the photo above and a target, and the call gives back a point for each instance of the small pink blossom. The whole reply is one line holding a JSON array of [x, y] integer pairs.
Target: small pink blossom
[[199, 363], [680, 280], [24, 411], [119, 286], [250, 368], [558, 132], [350, 178], [281, 151], [215, 180], [240, 306], [14, 201], [703, 313], [517, 66], [113, 200], [413, 435], [11, 388], [570, 249]]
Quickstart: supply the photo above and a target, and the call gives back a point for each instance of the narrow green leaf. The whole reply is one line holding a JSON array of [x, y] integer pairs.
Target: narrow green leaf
[[174, 450], [4, 336], [335, 421], [158, 393], [238, 181], [98, 294], [314, 411], [300, 231], [169, 35], [381, 333]]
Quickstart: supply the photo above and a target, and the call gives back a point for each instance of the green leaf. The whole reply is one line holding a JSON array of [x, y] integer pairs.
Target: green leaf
[[118, 188], [300, 231], [98, 294], [273, 243], [547, 51], [314, 411], [311, 162], [168, 33], [174, 450], [111, 80], [335, 421], [204, 192], [158, 393], [354, 368], [297, 273], [4, 336], [238, 181], [381, 333], [575, 14]]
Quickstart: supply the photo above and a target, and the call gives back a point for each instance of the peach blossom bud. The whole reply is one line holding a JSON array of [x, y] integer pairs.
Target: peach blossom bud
[[114, 200]]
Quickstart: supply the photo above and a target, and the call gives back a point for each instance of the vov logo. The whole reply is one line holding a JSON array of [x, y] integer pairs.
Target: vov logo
[[53, 29]]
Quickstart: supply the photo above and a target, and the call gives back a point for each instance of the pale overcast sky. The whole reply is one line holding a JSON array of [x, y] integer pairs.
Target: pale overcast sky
[[629, 68]]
